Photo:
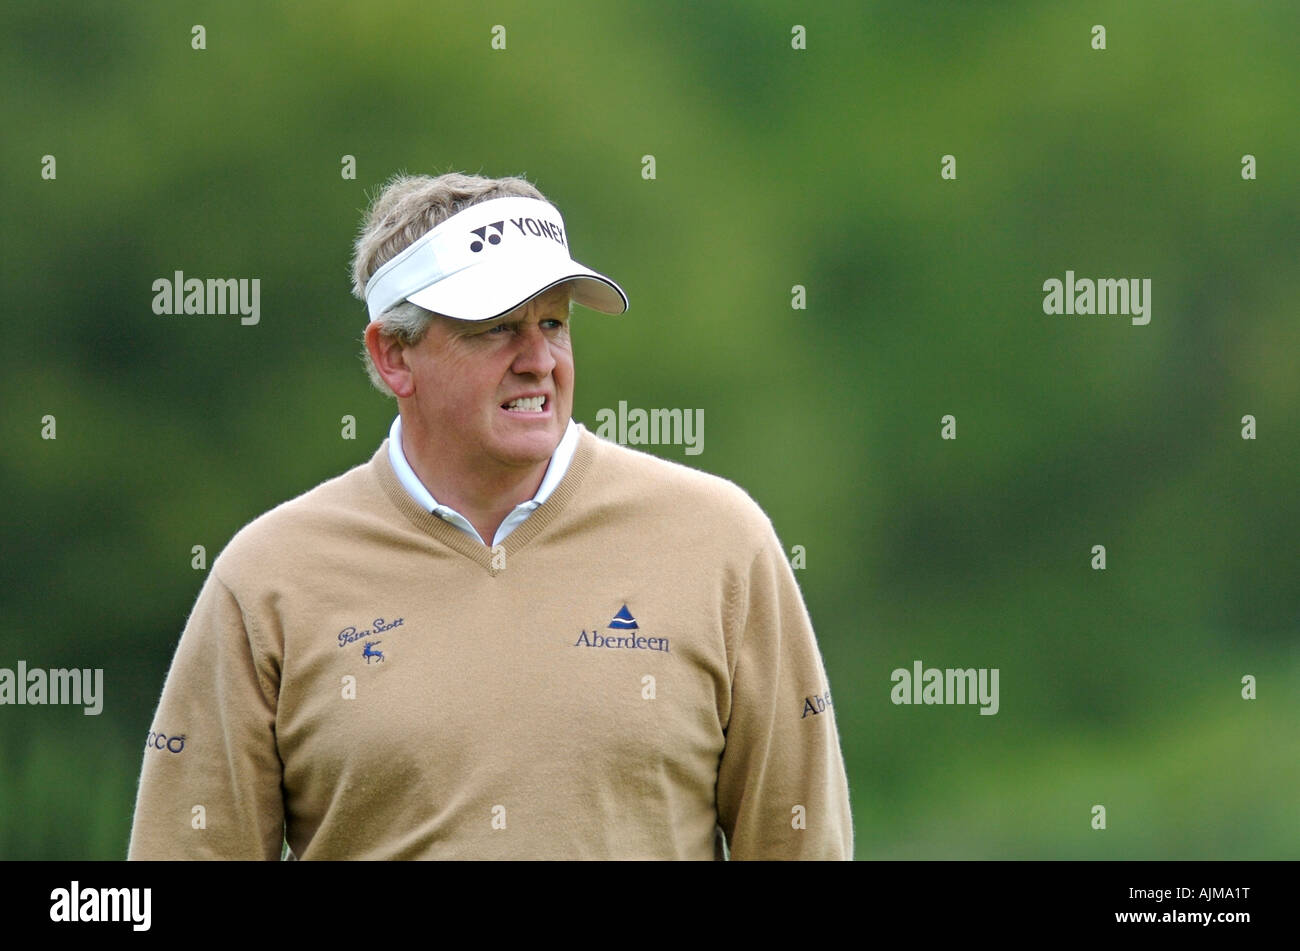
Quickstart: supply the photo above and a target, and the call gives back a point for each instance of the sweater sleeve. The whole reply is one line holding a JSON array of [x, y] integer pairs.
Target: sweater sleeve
[[210, 787], [782, 790]]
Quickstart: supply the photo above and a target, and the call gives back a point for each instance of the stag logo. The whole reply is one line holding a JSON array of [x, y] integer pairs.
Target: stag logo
[[369, 653]]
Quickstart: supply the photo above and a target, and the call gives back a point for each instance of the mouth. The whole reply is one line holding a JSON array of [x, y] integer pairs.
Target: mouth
[[528, 406]]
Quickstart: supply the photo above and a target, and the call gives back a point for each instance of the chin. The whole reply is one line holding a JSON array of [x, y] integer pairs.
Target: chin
[[529, 450]]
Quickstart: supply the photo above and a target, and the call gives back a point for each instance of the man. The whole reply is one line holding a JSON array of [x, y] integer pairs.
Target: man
[[501, 637]]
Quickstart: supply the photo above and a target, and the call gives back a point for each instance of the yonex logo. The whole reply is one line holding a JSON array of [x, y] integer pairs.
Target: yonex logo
[[477, 245], [528, 227], [538, 228]]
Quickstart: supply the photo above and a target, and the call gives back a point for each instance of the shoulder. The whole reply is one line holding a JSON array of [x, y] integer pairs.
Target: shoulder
[[340, 506], [634, 479]]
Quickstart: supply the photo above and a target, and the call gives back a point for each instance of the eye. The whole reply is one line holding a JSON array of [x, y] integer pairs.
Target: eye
[[498, 330]]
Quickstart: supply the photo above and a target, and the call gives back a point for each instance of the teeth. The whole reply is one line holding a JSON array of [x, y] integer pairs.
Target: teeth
[[532, 404]]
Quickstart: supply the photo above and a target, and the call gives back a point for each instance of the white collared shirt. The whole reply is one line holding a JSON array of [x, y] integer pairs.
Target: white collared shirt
[[559, 465]]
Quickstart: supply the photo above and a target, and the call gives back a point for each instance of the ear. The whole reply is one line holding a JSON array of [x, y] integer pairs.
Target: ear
[[389, 356]]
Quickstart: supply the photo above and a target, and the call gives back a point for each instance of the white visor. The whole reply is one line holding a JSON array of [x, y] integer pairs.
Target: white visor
[[487, 260]]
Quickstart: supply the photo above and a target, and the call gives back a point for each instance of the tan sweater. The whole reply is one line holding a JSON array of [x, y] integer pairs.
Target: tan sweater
[[631, 675]]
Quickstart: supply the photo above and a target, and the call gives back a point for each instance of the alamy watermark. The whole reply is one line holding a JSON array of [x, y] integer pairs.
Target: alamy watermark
[[77, 904], [1129, 297], [217, 295], [951, 685], [84, 687], [654, 427]]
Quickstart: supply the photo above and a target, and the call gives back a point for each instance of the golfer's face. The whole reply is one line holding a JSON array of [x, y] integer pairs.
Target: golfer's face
[[470, 377]]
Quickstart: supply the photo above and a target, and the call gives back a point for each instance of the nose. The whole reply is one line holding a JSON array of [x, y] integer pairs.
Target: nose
[[534, 351]]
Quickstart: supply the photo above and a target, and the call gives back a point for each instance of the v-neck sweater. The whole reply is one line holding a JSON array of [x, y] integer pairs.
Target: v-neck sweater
[[631, 673]]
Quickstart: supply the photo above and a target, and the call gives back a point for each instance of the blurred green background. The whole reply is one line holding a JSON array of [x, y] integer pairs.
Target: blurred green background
[[774, 167]]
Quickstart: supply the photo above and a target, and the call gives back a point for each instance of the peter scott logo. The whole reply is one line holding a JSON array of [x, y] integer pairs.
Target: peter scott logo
[[58, 686], [623, 621], [370, 651], [528, 228], [350, 634]]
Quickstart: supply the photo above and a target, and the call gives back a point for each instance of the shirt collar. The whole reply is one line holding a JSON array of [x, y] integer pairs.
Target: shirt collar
[[555, 471]]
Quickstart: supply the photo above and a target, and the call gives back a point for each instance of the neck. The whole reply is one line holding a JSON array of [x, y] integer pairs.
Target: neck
[[483, 490]]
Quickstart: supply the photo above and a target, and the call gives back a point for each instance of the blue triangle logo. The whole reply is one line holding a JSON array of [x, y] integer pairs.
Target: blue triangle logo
[[623, 620]]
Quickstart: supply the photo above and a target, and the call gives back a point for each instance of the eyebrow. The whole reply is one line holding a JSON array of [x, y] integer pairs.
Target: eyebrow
[[564, 314]]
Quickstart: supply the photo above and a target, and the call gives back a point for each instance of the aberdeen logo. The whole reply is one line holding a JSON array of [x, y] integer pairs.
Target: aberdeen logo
[[477, 245], [623, 621], [817, 703], [369, 653]]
